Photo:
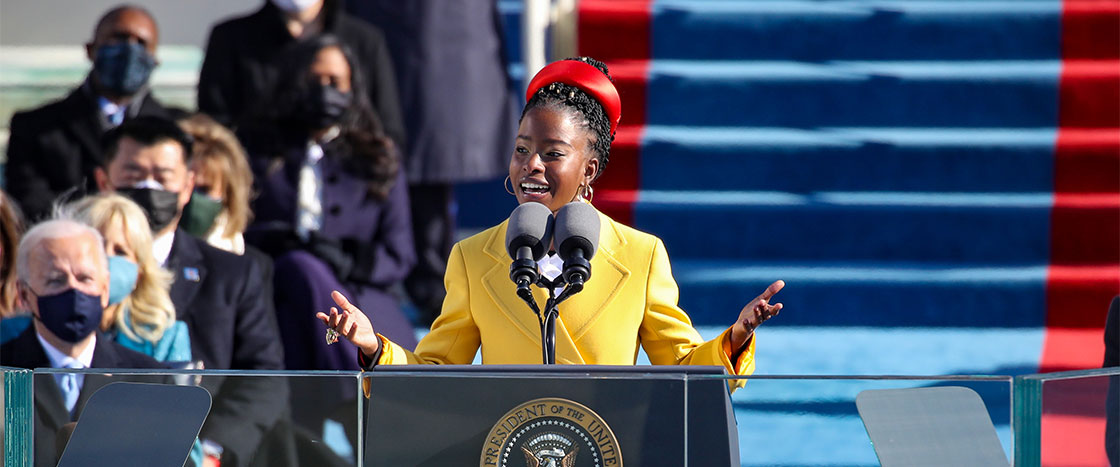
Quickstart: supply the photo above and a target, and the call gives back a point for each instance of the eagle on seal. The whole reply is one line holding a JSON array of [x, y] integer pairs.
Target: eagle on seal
[[569, 459]]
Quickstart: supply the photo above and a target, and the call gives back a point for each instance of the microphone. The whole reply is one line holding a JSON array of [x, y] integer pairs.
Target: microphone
[[527, 237], [577, 239]]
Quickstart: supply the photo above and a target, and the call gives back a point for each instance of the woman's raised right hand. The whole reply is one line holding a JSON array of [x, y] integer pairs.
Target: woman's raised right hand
[[352, 324]]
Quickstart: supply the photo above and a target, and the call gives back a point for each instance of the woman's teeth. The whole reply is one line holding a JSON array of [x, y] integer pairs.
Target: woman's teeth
[[534, 188]]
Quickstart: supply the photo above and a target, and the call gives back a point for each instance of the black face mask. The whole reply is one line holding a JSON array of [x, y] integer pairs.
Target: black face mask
[[323, 105], [123, 69], [161, 206], [70, 315]]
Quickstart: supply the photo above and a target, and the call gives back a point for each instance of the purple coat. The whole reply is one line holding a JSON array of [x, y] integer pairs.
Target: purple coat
[[375, 235]]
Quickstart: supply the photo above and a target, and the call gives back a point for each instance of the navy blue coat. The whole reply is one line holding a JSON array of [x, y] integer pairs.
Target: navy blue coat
[[223, 299]]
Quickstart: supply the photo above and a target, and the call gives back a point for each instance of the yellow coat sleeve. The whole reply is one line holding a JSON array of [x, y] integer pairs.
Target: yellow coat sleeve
[[454, 338], [667, 334]]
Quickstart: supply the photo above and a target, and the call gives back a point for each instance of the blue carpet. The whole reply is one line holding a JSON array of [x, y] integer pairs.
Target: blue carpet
[[809, 95], [971, 228], [678, 158], [853, 30], [878, 295]]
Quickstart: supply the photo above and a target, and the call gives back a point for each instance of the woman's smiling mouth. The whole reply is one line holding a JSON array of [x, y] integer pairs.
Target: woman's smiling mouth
[[534, 188]]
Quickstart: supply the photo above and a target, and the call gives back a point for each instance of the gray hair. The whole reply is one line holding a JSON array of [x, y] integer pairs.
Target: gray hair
[[60, 225]]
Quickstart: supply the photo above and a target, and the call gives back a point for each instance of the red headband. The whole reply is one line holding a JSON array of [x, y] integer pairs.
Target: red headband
[[583, 76]]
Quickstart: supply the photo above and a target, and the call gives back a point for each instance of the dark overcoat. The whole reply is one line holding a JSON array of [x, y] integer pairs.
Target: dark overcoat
[[55, 148], [25, 351], [224, 301], [243, 56], [455, 91]]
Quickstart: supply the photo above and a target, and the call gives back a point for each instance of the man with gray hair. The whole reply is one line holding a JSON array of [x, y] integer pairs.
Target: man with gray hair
[[64, 282]]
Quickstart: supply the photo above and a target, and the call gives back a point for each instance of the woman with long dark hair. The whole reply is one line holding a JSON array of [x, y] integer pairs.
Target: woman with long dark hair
[[332, 207]]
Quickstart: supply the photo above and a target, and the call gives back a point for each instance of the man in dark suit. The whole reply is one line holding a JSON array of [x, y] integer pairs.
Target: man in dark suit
[[243, 58], [64, 281], [218, 294], [56, 148]]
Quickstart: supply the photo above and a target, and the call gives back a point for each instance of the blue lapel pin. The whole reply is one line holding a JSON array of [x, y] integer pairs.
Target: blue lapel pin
[[191, 274]]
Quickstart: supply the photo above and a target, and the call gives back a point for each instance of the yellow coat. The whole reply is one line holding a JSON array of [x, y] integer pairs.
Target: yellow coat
[[630, 300]]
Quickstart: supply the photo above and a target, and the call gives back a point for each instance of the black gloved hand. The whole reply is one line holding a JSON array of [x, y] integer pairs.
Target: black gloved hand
[[274, 239], [330, 251]]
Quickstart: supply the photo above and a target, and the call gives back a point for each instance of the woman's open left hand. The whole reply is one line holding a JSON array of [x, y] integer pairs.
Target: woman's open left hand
[[351, 323], [755, 313]]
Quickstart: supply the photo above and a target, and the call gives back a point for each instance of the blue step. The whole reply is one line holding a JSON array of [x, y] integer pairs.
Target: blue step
[[481, 205], [510, 17], [881, 295], [853, 94], [856, 30], [848, 159], [845, 226]]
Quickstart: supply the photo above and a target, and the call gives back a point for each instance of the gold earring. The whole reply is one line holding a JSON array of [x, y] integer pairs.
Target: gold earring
[[586, 193], [509, 182]]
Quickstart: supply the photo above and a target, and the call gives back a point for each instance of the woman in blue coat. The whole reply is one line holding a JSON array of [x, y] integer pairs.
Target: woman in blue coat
[[332, 205]]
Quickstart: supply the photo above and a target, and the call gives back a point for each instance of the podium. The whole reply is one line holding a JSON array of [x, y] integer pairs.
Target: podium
[[562, 415]]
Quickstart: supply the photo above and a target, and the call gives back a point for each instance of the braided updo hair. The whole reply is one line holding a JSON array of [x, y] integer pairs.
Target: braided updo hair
[[564, 96]]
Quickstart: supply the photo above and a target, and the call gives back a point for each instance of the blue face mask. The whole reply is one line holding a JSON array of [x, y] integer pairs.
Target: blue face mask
[[122, 278], [123, 68], [70, 315]]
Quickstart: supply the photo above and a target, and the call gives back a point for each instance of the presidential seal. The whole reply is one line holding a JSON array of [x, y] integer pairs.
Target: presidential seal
[[551, 432]]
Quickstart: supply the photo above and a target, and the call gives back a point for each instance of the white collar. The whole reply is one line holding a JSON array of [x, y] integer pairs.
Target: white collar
[[551, 266], [161, 247], [314, 154], [330, 135], [108, 107], [315, 147], [61, 360]]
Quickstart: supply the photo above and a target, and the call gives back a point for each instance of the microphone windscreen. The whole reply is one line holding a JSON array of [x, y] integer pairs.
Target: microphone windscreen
[[577, 226], [530, 225]]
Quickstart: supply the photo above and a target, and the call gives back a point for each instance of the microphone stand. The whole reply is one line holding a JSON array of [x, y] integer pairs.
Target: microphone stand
[[548, 320], [526, 295], [523, 272]]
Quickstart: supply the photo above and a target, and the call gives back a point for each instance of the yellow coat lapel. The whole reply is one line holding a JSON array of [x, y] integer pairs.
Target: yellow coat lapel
[[502, 290]]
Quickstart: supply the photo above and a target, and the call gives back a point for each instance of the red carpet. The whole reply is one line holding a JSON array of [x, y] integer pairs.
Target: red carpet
[[617, 32], [1085, 223], [1084, 270]]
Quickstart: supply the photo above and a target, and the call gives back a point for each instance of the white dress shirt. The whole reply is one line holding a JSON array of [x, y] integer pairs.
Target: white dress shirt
[[161, 247], [114, 114], [309, 201], [59, 359], [551, 266]]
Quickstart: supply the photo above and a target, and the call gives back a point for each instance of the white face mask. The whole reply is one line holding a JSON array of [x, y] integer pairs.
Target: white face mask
[[148, 183], [294, 6]]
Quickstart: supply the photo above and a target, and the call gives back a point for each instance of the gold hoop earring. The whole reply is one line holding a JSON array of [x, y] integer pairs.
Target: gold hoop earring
[[509, 182], [586, 193]]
